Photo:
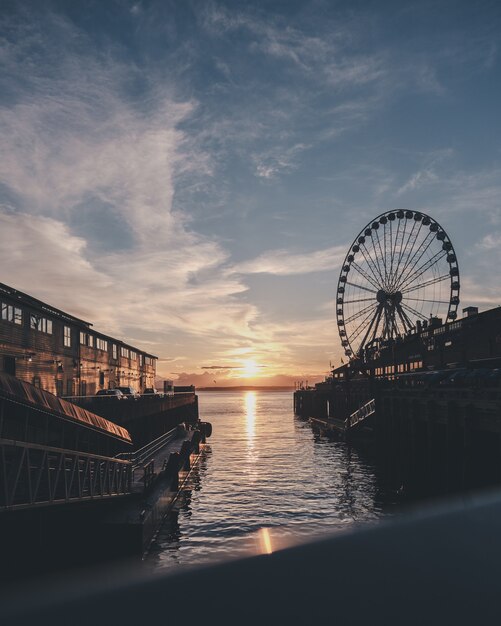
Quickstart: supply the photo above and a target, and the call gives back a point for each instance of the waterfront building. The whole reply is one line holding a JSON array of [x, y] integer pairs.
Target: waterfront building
[[473, 341], [63, 354]]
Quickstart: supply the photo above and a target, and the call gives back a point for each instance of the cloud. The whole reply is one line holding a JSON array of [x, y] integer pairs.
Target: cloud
[[88, 172], [277, 161], [285, 263], [492, 241], [428, 173]]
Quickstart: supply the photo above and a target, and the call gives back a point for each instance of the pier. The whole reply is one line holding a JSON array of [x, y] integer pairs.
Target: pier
[[67, 472], [420, 384]]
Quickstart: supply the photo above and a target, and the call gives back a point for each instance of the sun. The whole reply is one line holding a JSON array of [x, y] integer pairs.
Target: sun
[[249, 368]]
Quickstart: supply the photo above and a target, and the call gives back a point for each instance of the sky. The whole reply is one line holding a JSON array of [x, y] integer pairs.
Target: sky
[[188, 176]]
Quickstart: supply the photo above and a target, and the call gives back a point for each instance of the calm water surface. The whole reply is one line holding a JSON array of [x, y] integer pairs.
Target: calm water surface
[[266, 480]]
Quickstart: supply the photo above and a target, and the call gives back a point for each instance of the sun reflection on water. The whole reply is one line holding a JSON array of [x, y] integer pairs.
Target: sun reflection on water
[[250, 413]]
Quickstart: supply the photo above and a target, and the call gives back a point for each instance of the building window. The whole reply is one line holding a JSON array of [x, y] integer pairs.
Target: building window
[[141, 360], [124, 352], [67, 337], [41, 324], [114, 350], [90, 341], [133, 355], [12, 314], [83, 339], [101, 344], [37, 382], [148, 360]]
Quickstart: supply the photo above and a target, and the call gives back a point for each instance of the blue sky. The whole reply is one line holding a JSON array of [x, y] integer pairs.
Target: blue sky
[[189, 175]]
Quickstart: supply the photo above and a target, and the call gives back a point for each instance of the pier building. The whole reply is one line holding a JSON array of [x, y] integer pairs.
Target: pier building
[[63, 354], [420, 382]]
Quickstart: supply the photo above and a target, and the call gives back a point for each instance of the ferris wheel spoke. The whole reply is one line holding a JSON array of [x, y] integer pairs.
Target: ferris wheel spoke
[[412, 246], [358, 300], [423, 247], [376, 256], [365, 275], [394, 249], [411, 310], [383, 258], [376, 317], [424, 268], [404, 254], [358, 314], [405, 275], [360, 328], [427, 283], [370, 262], [390, 245], [401, 249], [360, 287], [424, 300], [394, 254]]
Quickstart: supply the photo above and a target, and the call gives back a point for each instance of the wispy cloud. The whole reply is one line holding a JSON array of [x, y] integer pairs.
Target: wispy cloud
[[74, 152], [286, 263], [276, 161], [428, 172]]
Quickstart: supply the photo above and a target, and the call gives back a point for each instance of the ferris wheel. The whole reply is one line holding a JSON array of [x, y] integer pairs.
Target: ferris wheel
[[400, 271]]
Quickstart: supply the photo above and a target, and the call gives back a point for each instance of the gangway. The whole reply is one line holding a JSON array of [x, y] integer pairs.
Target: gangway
[[361, 414], [344, 427], [154, 457]]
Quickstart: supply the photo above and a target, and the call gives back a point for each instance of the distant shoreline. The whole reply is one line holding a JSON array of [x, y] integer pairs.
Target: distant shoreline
[[247, 388]]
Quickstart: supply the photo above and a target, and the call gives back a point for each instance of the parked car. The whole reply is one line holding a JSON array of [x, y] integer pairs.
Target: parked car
[[129, 392], [151, 391], [111, 393]]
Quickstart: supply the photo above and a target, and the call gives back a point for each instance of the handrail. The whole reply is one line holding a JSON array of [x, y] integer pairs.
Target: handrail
[[35, 475], [139, 456], [361, 413]]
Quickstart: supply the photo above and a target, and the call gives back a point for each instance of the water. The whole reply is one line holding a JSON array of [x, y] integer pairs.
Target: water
[[266, 481]]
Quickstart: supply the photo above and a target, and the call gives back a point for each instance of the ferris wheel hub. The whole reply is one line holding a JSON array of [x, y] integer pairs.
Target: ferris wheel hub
[[391, 298]]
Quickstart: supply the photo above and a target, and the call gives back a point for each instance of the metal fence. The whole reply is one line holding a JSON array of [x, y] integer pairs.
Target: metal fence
[[32, 475]]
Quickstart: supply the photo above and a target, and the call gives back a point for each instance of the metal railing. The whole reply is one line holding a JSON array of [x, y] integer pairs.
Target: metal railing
[[362, 413], [141, 456], [33, 475]]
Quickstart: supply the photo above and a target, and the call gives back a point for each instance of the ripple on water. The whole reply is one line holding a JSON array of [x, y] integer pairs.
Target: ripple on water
[[264, 469]]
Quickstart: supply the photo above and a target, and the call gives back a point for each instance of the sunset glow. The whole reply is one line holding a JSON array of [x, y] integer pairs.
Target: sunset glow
[[201, 205], [250, 368]]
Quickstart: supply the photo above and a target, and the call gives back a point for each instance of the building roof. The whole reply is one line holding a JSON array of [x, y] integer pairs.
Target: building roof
[[25, 393], [28, 300], [24, 298]]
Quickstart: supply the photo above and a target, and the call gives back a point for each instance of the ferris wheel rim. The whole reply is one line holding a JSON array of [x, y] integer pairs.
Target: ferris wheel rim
[[388, 286]]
